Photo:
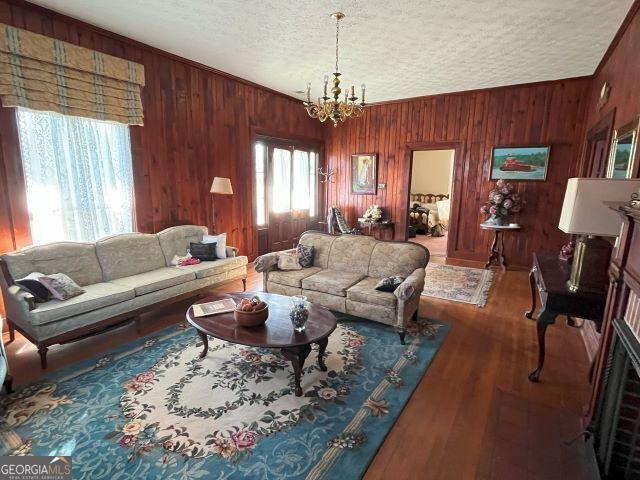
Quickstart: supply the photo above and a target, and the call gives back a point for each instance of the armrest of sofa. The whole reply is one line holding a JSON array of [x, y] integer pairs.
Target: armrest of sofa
[[413, 284], [232, 252], [268, 261], [20, 296]]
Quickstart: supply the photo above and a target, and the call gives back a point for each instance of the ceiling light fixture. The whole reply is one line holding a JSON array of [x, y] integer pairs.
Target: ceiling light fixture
[[335, 109]]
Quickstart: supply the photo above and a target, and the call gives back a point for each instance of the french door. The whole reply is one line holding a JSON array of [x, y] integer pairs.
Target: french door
[[286, 192]]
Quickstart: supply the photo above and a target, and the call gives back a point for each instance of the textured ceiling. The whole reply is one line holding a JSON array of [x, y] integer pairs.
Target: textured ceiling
[[399, 49]]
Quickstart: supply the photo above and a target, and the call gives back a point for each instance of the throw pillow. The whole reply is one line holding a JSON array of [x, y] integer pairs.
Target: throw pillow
[[220, 241], [305, 255], [288, 261], [31, 284], [203, 251], [389, 284], [61, 286]]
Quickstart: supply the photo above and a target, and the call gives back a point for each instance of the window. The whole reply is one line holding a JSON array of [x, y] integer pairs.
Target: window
[[291, 173], [78, 176]]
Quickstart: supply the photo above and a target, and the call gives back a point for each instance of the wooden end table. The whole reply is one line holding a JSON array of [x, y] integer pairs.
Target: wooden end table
[[277, 332], [496, 252], [548, 278]]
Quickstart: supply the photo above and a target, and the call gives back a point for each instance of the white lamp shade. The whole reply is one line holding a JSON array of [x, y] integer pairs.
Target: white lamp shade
[[221, 185], [583, 210]]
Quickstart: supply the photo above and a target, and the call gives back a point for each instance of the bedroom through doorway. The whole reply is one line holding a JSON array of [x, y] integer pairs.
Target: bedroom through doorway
[[430, 199]]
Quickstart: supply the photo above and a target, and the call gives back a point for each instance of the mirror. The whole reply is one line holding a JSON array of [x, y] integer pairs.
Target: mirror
[[622, 160]]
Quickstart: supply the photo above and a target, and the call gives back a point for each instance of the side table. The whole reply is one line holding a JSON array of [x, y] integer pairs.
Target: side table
[[496, 252], [548, 278]]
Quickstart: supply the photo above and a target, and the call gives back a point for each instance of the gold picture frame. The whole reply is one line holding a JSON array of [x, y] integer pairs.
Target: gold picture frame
[[623, 161]]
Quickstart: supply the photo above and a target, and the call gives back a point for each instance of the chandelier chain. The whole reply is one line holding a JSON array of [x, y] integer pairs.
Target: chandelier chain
[[337, 36]]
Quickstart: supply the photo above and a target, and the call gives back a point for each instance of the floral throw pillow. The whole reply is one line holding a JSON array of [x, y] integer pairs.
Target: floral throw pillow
[[288, 261], [389, 284], [61, 286], [305, 255]]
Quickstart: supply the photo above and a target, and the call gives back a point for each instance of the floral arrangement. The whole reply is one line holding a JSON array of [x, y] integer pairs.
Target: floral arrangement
[[503, 201], [374, 213]]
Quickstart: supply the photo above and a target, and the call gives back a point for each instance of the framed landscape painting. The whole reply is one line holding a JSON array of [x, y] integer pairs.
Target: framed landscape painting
[[520, 163], [364, 173]]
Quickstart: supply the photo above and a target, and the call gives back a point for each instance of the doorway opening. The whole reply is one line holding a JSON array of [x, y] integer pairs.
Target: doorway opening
[[430, 199]]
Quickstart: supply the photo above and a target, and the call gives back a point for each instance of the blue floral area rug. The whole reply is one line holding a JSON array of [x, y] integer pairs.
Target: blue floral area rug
[[460, 284], [153, 409]]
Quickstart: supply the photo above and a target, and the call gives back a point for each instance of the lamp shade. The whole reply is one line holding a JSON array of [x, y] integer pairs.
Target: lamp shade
[[583, 210], [221, 185]]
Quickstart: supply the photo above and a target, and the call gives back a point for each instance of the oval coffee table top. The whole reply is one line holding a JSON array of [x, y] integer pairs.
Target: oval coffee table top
[[277, 332]]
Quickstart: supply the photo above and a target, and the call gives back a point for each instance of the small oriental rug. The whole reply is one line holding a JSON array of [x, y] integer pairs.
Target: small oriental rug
[[460, 284], [153, 409]]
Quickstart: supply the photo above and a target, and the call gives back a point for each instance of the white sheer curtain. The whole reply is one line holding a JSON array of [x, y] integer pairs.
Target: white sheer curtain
[[281, 180], [78, 176], [301, 193]]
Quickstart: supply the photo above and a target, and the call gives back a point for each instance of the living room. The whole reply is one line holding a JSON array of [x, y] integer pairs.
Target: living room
[[161, 160]]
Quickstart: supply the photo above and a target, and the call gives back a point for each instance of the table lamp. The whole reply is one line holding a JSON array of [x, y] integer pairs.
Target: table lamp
[[221, 186], [585, 214]]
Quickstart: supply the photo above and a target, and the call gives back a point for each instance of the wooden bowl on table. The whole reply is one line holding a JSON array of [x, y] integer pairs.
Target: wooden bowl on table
[[252, 319]]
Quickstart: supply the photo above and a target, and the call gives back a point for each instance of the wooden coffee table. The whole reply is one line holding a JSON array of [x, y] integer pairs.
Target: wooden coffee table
[[277, 332]]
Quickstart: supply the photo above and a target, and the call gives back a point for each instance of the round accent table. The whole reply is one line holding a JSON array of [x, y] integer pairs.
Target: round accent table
[[496, 252], [277, 332]]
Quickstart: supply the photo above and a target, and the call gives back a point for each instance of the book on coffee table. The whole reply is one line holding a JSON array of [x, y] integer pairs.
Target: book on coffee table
[[213, 308]]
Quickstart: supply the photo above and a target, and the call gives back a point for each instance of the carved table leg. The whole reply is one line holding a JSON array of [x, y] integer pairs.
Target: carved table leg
[[545, 318], [492, 252], [297, 356], [205, 341], [534, 292], [322, 347], [500, 250]]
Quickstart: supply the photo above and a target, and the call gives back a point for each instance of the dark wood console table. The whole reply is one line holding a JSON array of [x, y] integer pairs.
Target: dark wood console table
[[548, 279]]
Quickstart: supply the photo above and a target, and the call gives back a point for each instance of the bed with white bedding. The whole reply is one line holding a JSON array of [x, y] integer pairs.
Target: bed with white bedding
[[428, 211]]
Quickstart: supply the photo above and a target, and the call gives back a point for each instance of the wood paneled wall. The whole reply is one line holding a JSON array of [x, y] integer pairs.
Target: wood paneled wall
[[550, 113], [198, 124], [620, 68]]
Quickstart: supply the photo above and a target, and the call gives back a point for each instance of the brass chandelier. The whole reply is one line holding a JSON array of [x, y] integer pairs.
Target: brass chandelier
[[332, 107]]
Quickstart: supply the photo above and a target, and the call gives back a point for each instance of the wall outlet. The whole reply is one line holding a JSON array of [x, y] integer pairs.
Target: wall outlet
[[382, 186]]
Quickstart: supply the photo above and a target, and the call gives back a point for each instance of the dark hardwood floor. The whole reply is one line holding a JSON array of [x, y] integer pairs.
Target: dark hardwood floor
[[474, 415]]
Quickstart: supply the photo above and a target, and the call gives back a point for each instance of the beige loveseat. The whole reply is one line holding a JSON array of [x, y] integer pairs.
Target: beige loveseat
[[123, 275], [345, 271]]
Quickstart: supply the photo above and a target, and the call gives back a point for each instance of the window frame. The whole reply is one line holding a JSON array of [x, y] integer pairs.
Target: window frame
[[271, 142]]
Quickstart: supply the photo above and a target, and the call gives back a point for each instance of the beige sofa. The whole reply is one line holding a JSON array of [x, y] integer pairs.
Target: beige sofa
[[345, 271], [123, 275]]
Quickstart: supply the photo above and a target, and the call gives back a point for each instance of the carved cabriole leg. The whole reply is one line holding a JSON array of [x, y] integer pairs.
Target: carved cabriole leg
[[297, 356], [545, 318], [401, 332], [205, 342], [322, 347], [414, 317], [42, 351], [534, 292], [500, 251], [494, 248], [12, 330], [8, 384], [244, 284]]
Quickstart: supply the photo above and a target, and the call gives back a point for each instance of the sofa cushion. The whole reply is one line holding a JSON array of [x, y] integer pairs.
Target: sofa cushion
[[96, 296], [335, 282], [352, 253], [365, 292], [154, 280], [397, 258], [176, 240], [292, 278], [75, 259], [207, 269], [129, 254], [321, 243]]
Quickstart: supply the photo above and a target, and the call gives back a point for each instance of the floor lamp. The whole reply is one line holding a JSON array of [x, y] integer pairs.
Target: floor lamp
[[220, 186]]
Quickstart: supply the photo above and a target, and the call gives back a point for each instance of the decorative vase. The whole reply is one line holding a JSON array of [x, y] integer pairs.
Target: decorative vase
[[497, 220], [299, 312]]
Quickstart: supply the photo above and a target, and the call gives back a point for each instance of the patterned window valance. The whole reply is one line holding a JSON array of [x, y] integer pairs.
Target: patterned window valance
[[42, 73]]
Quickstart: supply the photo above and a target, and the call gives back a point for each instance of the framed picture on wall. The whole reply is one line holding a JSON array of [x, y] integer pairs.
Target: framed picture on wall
[[520, 163], [364, 173]]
